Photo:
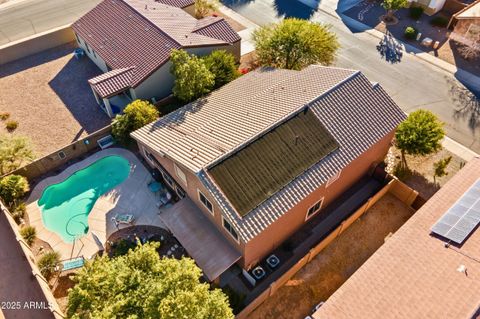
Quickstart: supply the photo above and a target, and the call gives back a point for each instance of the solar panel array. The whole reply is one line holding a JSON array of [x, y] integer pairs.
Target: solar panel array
[[462, 218]]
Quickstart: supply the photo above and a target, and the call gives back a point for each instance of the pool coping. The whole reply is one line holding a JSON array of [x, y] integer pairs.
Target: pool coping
[[95, 237]]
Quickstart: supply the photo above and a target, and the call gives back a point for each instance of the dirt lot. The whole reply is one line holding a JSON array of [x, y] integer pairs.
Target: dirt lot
[[49, 96], [421, 176], [333, 266]]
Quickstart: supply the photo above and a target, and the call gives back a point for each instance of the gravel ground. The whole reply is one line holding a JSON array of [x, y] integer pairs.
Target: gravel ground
[[333, 266], [48, 94]]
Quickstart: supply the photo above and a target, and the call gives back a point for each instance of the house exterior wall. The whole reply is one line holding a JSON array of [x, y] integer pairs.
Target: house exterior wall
[[191, 189], [95, 58], [272, 237], [260, 246]]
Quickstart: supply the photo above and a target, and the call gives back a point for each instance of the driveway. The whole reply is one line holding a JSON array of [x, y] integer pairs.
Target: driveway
[[18, 287], [48, 94], [411, 82]]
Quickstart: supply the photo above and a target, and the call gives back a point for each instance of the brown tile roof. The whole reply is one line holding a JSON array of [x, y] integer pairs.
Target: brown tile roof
[[217, 28], [356, 113], [413, 275], [113, 82], [141, 34], [177, 3]]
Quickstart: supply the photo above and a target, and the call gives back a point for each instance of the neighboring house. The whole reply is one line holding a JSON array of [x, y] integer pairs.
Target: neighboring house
[[431, 6], [131, 41], [418, 273], [466, 25], [264, 154]]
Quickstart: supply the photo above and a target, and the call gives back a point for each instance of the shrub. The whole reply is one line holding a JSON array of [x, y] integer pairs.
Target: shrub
[[14, 151], [416, 12], [137, 114], [47, 263], [122, 247], [4, 116], [439, 21], [18, 212], [11, 126], [223, 67], [440, 167], [12, 188], [203, 7], [410, 33], [28, 233]]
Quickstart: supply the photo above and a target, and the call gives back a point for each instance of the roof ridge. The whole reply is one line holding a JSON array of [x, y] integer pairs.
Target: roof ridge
[[279, 121], [151, 23]]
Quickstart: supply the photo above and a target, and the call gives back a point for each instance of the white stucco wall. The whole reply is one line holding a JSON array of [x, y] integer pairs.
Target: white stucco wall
[[95, 58]]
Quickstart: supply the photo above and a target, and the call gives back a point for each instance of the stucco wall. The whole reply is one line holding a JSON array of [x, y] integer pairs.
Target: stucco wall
[[158, 85], [191, 189], [95, 58], [190, 10], [272, 237]]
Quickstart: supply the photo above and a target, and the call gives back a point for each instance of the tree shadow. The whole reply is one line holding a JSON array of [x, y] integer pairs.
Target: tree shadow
[[295, 9], [466, 105], [390, 49]]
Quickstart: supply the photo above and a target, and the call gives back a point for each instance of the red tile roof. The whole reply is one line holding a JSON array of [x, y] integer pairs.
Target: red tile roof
[[141, 34], [177, 3], [113, 82], [413, 275], [217, 28]]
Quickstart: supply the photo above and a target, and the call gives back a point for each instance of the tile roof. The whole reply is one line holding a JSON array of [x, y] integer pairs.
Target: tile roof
[[113, 82], [141, 34], [217, 28], [356, 113], [177, 3], [413, 275]]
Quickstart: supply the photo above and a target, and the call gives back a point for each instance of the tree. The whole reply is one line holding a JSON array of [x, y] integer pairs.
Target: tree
[[393, 5], [141, 285], [29, 234], [295, 44], [14, 151], [420, 134], [12, 188], [192, 78], [203, 7], [137, 114], [440, 167], [223, 67], [48, 263]]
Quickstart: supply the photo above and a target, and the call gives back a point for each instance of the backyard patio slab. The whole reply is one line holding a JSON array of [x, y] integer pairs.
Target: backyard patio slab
[[48, 94], [130, 197]]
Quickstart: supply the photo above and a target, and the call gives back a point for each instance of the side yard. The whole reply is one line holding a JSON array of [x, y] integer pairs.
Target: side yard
[[48, 95], [334, 265]]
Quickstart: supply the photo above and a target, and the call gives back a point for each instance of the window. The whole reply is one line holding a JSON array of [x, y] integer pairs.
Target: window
[[180, 174], [230, 229], [205, 202], [93, 52], [88, 48], [78, 39], [333, 178], [314, 209], [180, 192], [168, 179]]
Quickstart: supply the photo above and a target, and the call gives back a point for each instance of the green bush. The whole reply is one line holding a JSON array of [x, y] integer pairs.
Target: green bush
[[410, 33], [11, 126], [137, 114], [439, 21], [416, 12], [122, 247], [12, 188], [29, 233], [18, 212], [4, 116], [223, 67], [47, 263]]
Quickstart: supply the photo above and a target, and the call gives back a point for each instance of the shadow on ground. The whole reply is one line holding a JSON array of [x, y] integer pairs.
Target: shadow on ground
[[390, 49]]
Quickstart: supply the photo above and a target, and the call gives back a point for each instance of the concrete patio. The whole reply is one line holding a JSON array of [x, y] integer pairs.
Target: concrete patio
[[130, 197]]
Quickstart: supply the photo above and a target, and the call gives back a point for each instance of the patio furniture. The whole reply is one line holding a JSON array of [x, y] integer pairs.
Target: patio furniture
[[124, 219], [427, 42], [155, 187], [78, 53], [106, 141], [164, 199]]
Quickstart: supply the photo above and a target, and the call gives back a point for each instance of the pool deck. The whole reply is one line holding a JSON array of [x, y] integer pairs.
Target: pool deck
[[130, 197]]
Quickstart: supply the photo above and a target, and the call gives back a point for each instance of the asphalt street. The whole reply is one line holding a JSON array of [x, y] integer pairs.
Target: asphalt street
[[411, 82]]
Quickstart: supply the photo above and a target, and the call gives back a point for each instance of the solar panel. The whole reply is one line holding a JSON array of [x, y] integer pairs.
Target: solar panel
[[462, 218]]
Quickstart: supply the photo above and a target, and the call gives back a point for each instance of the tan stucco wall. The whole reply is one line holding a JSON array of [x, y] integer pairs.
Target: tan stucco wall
[[191, 189], [272, 237], [96, 59], [190, 10], [158, 85]]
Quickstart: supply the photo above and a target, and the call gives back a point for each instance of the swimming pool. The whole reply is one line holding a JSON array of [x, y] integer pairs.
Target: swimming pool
[[65, 206]]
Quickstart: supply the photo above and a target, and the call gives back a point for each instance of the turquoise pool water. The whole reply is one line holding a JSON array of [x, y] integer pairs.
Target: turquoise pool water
[[65, 206]]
